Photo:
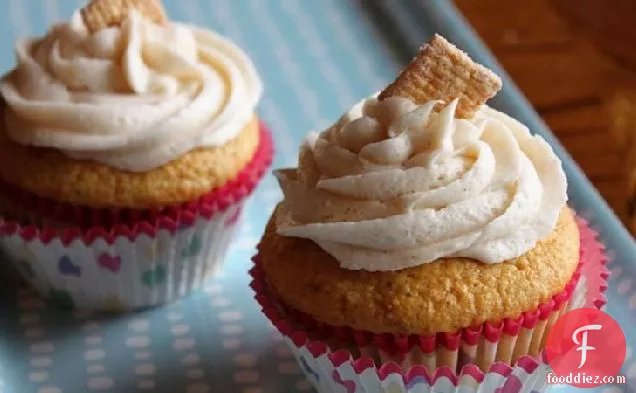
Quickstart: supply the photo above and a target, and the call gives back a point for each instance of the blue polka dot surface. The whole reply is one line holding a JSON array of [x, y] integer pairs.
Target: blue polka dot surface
[[316, 58]]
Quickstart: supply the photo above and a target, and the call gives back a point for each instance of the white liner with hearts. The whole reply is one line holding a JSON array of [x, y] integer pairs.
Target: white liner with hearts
[[138, 259], [125, 275]]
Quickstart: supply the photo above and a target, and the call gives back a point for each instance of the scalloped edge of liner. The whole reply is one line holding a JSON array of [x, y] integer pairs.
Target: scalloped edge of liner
[[170, 218], [317, 348]]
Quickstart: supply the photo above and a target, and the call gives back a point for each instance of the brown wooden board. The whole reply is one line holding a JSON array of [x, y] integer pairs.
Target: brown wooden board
[[569, 63]]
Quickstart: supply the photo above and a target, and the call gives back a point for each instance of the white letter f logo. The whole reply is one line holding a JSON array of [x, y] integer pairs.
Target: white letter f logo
[[584, 347]]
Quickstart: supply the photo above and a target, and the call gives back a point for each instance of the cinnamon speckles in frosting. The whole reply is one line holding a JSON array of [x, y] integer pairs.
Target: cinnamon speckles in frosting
[[133, 97], [394, 185]]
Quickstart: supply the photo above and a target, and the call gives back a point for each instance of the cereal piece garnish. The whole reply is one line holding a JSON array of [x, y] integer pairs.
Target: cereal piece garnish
[[440, 71], [99, 14]]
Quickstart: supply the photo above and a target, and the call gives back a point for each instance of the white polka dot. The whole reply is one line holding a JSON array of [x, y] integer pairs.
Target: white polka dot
[[231, 343], [182, 344], [179, 330], [616, 272], [231, 330], [198, 388], [40, 376], [31, 304], [93, 340], [246, 376], [34, 333], [138, 342], [41, 361], [143, 355], [631, 371], [283, 351], [612, 389], [245, 359], [139, 325], [99, 383], [94, 354], [230, 316], [220, 302], [146, 384], [195, 373], [145, 369], [42, 347], [91, 326], [288, 368], [95, 369], [29, 318], [303, 385], [213, 288], [191, 359], [175, 316], [632, 302], [628, 353], [49, 389]]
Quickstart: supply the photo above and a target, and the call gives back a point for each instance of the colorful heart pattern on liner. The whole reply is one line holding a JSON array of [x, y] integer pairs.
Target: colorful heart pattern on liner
[[154, 277], [193, 249], [66, 267], [109, 262]]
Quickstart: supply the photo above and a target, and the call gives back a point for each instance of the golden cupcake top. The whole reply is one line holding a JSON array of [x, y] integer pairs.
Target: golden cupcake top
[[444, 296], [121, 85], [424, 171]]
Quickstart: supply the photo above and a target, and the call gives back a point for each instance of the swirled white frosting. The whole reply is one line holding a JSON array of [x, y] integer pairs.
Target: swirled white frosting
[[394, 185], [133, 97]]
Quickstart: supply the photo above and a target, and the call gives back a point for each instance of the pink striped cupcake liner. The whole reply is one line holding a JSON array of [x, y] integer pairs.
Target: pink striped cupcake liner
[[499, 357], [120, 260]]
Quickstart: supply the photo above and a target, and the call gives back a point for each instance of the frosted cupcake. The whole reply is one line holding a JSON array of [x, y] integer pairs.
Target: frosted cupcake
[[424, 239], [128, 146]]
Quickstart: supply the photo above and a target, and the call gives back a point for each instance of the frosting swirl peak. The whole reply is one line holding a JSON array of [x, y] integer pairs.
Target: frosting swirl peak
[[134, 97], [394, 185]]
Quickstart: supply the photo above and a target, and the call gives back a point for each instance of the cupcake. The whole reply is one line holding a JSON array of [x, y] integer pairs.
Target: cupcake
[[425, 241], [128, 147]]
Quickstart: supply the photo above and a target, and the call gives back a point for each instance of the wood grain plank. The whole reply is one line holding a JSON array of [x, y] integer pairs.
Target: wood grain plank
[[608, 26], [587, 118], [567, 74], [504, 24], [554, 78]]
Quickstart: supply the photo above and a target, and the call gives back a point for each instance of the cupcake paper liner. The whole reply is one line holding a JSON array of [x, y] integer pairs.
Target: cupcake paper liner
[[119, 260], [339, 359]]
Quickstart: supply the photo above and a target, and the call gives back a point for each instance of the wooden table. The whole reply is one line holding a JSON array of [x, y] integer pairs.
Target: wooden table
[[574, 60]]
